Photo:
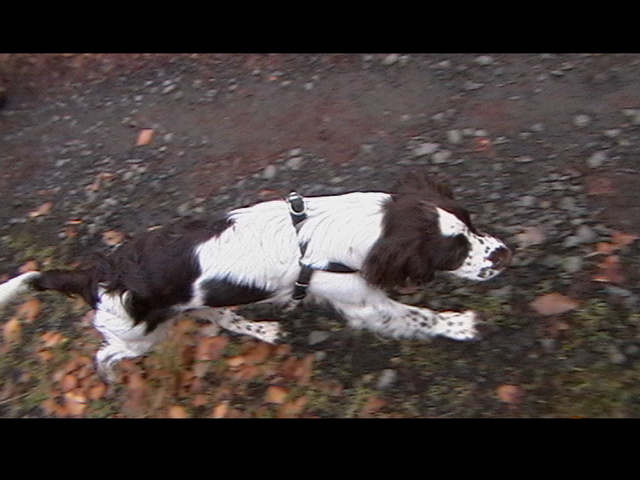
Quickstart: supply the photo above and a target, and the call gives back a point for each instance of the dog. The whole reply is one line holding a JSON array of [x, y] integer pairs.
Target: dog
[[345, 250]]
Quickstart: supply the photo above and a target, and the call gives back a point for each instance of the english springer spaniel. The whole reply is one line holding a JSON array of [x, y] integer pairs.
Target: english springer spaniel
[[345, 250]]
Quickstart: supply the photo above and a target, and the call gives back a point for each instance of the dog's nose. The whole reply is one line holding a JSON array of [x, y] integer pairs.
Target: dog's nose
[[501, 257]]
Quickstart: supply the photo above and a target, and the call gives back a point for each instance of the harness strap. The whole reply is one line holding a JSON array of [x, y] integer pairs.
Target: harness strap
[[297, 211]]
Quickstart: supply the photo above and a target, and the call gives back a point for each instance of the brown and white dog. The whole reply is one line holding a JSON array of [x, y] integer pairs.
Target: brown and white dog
[[344, 250]]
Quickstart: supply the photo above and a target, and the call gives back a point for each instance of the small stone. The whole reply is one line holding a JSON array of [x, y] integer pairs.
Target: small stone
[[454, 136], [597, 159], [294, 163], [484, 60], [612, 133], [269, 172], [387, 378], [390, 59], [318, 336], [585, 234], [470, 86], [581, 120], [572, 264], [425, 149], [616, 356], [441, 156]]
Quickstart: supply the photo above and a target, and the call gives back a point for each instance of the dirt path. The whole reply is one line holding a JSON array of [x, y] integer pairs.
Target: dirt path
[[538, 144]]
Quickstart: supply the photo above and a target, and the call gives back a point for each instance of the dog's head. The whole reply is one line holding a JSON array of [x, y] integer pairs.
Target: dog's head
[[426, 230]]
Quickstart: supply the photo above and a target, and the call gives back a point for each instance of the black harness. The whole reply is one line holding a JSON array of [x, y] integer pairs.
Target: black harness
[[297, 211]]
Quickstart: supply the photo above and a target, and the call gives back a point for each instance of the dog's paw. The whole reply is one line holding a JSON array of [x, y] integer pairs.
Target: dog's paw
[[459, 325], [269, 332]]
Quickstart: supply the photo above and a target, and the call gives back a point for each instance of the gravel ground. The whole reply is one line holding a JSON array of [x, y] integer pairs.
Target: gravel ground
[[542, 148]]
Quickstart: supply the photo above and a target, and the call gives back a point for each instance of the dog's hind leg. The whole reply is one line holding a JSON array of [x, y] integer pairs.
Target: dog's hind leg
[[267, 331], [123, 338]]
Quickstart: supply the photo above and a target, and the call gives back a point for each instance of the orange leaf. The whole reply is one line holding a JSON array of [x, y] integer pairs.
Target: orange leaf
[[293, 408], [372, 405], [610, 271], [276, 394], [177, 411], [220, 410], [511, 394], [28, 266], [605, 248], [51, 339], [29, 310], [113, 237], [144, 137], [621, 239], [43, 209], [76, 402], [210, 348], [553, 304], [12, 330]]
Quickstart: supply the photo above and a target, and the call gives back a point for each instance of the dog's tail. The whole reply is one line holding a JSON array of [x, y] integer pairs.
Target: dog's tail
[[69, 282]]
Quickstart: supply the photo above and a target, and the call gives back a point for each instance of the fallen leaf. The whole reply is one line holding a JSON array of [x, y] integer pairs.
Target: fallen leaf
[[28, 266], [29, 310], [293, 408], [220, 410], [144, 137], [621, 239], [97, 391], [76, 402], [12, 331], [610, 271], [300, 369], [177, 411], [511, 394], [113, 237], [258, 353], [51, 339], [530, 236], [599, 186], [276, 394], [43, 209], [372, 405], [69, 382], [210, 348], [553, 304]]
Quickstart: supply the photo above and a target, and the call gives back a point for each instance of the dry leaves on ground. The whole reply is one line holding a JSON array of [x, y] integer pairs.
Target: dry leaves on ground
[[610, 269]]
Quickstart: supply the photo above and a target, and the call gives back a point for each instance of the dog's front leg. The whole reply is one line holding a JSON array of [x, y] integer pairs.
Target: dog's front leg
[[367, 307]]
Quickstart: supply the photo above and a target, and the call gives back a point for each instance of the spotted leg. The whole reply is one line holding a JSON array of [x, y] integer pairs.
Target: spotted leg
[[267, 331], [367, 307]]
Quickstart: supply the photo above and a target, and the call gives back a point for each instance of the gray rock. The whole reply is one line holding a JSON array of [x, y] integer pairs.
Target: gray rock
[[269, 172], [441, 157], [581, 120], [318, 336], [425, 149], [597, 159], [387, 378]]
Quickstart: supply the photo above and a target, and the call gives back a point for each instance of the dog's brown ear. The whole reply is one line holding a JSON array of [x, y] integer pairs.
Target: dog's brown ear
[[403, 252], [395, 261]]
